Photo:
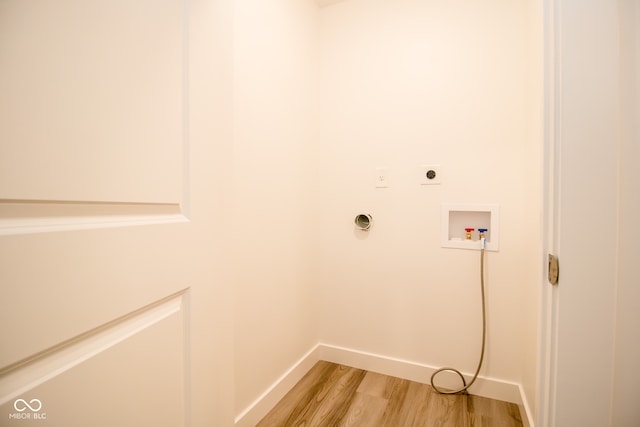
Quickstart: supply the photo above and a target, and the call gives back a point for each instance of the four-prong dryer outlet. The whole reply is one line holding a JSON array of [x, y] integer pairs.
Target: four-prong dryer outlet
[[429, 175]]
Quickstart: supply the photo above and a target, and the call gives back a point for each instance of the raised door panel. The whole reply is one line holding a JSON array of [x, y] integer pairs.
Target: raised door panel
[[132, 373], [92, 104]]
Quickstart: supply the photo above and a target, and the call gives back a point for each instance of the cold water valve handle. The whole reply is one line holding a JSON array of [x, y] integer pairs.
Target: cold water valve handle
[[482, 231], [469, 230]]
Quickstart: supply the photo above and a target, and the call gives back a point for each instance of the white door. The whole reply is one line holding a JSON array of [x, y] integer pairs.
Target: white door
[[114, 298], [590, 206]]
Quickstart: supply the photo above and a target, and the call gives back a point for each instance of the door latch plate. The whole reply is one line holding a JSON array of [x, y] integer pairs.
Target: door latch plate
[[554, 269]]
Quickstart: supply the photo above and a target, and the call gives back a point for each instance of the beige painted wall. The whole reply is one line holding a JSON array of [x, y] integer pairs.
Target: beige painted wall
[[274, 63], [400, 83], [405, 83]]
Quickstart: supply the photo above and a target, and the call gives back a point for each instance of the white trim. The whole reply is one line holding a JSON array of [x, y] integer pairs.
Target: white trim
[[552, 137], [525, 410], [30, 374], [43, 216], [186, 115], [50, 224], [409, 370], [487, 387], [260, 407]]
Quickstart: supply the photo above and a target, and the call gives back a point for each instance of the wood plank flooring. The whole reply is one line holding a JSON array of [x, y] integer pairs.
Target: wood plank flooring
[[339, 396]]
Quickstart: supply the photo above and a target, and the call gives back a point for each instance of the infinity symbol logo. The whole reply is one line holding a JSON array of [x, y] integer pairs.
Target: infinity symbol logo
[[37, 405]]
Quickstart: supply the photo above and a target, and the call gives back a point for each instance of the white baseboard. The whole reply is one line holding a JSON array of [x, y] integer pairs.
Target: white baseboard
[[272, 395], [486, 387], [525, 410]]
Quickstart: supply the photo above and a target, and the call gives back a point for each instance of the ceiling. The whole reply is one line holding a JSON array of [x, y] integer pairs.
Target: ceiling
[[323, 3]]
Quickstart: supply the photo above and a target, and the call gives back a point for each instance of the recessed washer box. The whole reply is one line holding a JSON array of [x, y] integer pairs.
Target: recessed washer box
[[457, 217]]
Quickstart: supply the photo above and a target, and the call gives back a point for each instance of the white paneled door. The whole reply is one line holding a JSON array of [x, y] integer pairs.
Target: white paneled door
[[114, 298]]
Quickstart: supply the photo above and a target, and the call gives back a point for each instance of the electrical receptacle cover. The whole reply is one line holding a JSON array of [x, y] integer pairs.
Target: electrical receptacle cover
[[430, 175], [382, 178]]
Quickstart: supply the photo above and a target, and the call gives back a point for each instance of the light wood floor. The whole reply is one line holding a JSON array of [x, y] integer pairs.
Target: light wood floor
[[339, 396]]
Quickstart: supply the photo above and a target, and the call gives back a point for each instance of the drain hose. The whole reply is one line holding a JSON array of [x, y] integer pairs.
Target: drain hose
[[465, 386]]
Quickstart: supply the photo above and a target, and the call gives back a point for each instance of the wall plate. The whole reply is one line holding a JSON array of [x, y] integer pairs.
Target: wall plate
[[382, 178], [430, 175]]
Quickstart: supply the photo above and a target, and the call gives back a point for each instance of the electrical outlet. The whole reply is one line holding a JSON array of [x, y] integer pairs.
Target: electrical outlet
[[382, 177], [430, 175]]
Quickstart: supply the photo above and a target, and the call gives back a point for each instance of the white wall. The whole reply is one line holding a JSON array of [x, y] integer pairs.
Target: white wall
[[626, 391], [404, 83], [274, 53]]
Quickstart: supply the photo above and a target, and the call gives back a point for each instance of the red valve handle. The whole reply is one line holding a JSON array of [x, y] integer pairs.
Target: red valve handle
[[468, 230]]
